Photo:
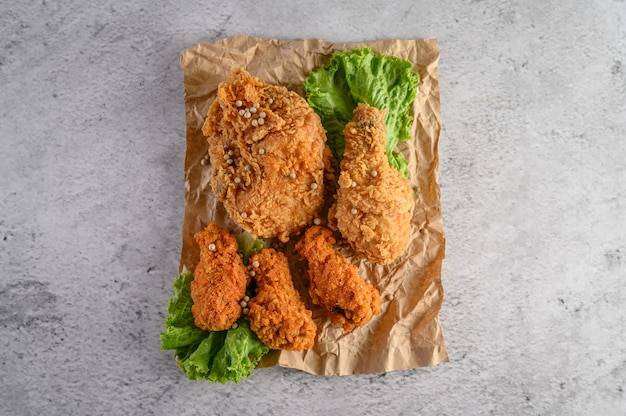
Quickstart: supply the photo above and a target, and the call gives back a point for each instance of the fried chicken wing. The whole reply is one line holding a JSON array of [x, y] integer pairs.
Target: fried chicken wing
[[335, 284], [374, 201], [220, 280], [269, 156], [277, 314]]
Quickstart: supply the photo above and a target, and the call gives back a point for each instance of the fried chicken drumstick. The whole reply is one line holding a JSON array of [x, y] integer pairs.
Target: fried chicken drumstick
[[277, 314], [374, 201], [269, 156], [220, 280], [335, 284]]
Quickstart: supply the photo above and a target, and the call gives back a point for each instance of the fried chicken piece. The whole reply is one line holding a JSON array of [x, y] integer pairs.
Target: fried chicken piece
[[269, 156], [335, 284], [374, 201], [277, 314], [220, 280]]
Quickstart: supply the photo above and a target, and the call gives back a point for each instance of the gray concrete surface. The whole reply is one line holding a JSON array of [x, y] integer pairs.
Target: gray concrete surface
[[533, 191]]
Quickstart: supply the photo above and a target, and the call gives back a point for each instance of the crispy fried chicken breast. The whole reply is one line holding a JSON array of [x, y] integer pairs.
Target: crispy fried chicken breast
[[374, 201], [335, 284], [220, 280], [277, 314], [268, 152]]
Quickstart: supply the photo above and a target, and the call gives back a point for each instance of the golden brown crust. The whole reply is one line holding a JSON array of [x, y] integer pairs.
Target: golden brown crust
[[220, 280], [277, 314], [335, 284], [374, 201], [269, 176]]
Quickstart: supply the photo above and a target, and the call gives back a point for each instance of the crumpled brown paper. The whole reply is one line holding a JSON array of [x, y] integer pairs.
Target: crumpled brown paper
[[406, 334]]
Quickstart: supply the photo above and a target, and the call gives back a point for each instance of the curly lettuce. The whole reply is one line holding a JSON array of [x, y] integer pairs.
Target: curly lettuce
[[216, 356], [248, 245], [359, 75]]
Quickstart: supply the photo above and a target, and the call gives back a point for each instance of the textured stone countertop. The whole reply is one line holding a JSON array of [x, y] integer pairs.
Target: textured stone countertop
[[533, 182]]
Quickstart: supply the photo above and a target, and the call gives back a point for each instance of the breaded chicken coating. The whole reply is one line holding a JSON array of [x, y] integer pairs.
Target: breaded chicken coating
[[335, 284], [277, 314], [220, 280], [374, 201], [268, 152]]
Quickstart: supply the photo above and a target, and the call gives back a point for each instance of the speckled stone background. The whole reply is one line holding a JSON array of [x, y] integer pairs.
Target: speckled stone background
[[533, 179]]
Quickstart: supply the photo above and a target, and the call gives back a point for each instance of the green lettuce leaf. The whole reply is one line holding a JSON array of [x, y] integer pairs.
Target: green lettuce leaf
[[241, 352], [248, 245], [180, 329], [217, 356], [197, 361], [359, 75]]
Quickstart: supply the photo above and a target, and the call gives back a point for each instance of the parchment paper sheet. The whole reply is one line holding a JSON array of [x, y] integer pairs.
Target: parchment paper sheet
[[407, 333]]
